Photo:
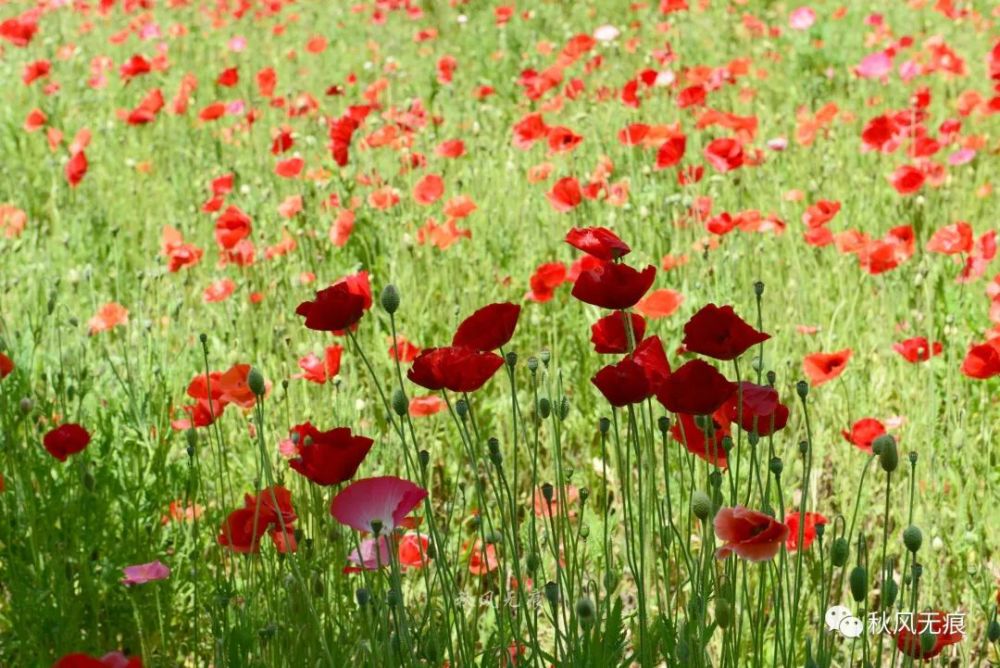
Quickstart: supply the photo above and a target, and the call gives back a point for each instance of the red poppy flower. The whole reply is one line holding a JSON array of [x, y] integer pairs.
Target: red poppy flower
[[820, 213], [952, 239], [270, 512], [982, 361], [670, 152], [232, 227], [65, 440], [917, 349], [109, 660], [623, 383], [761, 412], [612, 285], [660, 303], [489, 328], [428, 190], [685, 430], [425, 406], [933, 622], [823, 367], [328, 457], [453, 368], [609, 335], [649, 355], [864, 432], [719, 333], [749, 534], [808, 532], [565, 194], [338, 306], [76, 168], [695, 388], [545, 280], [6, 366], [907, 179], [600, 242], [724, 155]]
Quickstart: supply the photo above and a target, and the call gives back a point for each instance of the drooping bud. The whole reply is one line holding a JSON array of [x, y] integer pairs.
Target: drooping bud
[[362, 596], [544, 408], [390, 298], [927, 641], [889, 592], [462, 408], [993, 631], [563, 408], [548, 492], [859, 583], [493, 445], [191, 435], [839, 552], [423, 457]]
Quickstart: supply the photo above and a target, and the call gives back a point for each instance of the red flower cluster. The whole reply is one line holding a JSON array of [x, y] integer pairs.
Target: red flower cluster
[[271, 513]]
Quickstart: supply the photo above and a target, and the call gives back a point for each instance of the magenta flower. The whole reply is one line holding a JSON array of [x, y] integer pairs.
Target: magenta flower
[[143, 573], [386, 500]]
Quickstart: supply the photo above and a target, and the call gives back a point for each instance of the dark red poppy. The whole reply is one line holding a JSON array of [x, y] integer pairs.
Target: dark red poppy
[[917, 349], [612, 285], [328, 457], [109, 660], [696, 388], [488, 328], [453, 368], [609, 335], [823, 367], [685, 430], [719, 333], [6, 366], [338, 306], [934, 622], [864, 432], [650, 356], [623, 383], [761, 412], [600, 242], [65, 440]]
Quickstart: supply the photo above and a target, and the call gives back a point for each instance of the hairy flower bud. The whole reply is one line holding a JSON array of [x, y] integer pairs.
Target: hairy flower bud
[[255, 380], [839, 552], [399, 404], [913, 538], [859, 583], [888, 456], [390, 298], [701, 505]]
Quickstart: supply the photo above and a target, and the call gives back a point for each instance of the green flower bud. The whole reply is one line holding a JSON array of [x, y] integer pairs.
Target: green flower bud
[[993, 631], [927, 641], [552, 592], [532, 364], [889, 592], [363, 596], [563, 408], [586, 610], [913, 538], [859, 583], [255, 380], [26, 405], [400, 405], [758, 288], [511, 359], [839, 552], [533, 562], [663, 423], [462, 408], [545, 356], [776, 466], [544, 408], [390, 298], [802, 389], [423, 457], [723, 613], [548, 492], [701, 505], [888, 457], [604, 425]]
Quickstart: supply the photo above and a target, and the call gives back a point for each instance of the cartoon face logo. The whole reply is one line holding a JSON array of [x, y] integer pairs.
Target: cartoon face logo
[[839, 619]]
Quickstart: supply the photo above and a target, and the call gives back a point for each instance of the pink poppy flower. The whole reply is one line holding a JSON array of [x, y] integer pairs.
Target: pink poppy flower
[[750, 534], [386, 500], [143, 573]]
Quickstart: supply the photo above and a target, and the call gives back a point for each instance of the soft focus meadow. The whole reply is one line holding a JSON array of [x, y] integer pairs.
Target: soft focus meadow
[[524, 333]]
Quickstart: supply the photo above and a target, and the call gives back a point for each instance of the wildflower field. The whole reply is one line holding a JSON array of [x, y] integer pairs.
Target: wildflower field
[[524, 333]]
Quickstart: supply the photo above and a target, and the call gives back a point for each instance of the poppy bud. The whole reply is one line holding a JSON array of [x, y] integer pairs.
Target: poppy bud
[[839, 551], [758, 288], [913, 458], [927, 641], [493, 445], [723, 613], [363, 596], [552, 592], [888, 457], [584, 495], [912, 538], [317, 585], [533, 562], [715, 479], [192, 440], [776, 466], [771, 378], [663, 423], [511, 359], [802, 388], [889, 591], [203, 337], [548, 492], [993, 631], [859, 583], [462, 408], [493, 537], [585, 610], [610, 580], [544, 408], [545, 356], [584, 532], [803, 447], [701, 505], [563, 408], [73, 322], [390, 298], [399, 403], [753, 438], [604, 424], [532, 364], [255, 380], [88, 480], [376, 527], [918, 570], [26, 405], [423, 457]]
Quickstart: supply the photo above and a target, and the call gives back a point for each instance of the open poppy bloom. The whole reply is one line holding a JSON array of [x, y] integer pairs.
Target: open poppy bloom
[[696, 388], [864, 432], [6, 366], [612, 285], [917, 349], [339, 306], [761, 411], [270, 512], [143, 573], [374, 553], [808, 532], [982, 361], [622, 383], [65, 440], [108, 317], [382, 502], [454, 368], [489, 328], [599, 242], [609, 334], [749, 534], [934, 623], [708, 446], [719, 333], [110, 660], [327, 457], [824, 367]]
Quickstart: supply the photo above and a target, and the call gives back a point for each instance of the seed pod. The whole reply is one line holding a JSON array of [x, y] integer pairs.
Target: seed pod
[[912, 538]]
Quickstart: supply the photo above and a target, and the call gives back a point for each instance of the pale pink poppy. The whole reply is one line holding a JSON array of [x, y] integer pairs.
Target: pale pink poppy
[[961, 157], [749, 534], [143, 573], [802, 18], [368, 557], [778, 143], [874, 66], [386, 500], [606, 33]]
